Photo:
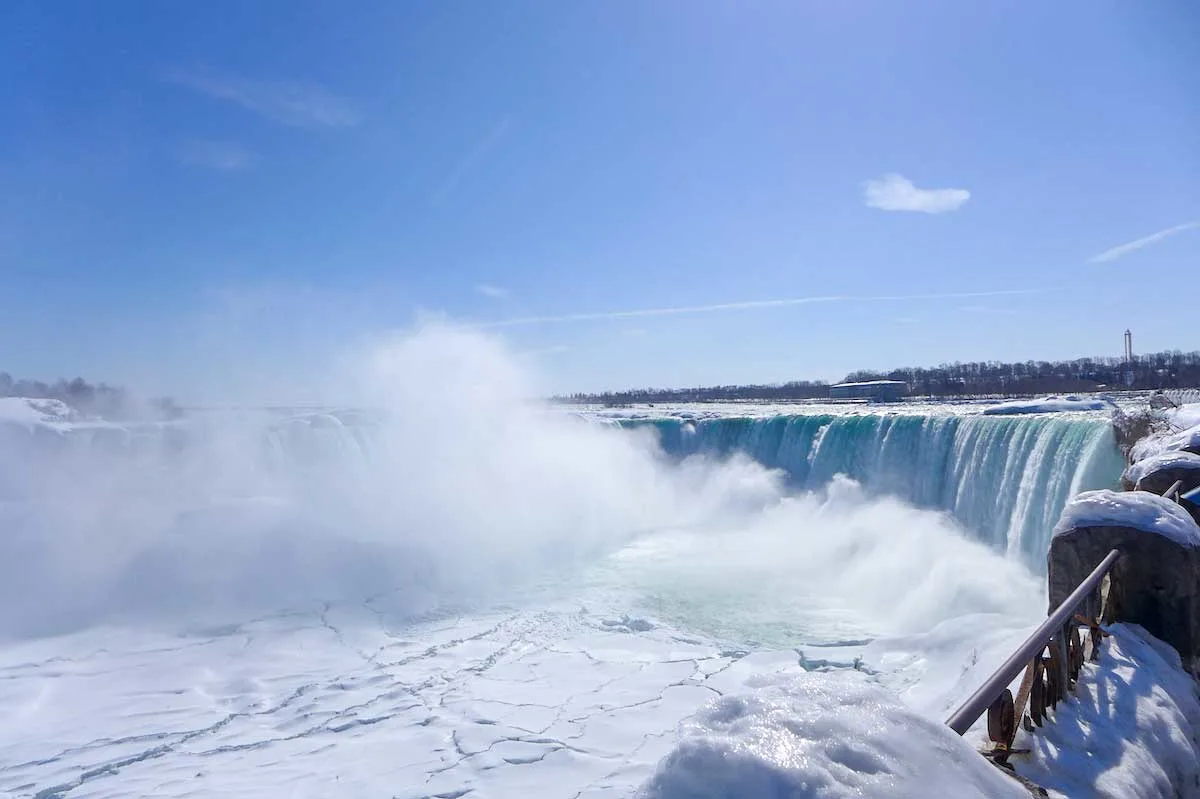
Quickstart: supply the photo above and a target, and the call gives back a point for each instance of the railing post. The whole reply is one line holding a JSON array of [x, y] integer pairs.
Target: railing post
[[1064, 658], [1091, 605]]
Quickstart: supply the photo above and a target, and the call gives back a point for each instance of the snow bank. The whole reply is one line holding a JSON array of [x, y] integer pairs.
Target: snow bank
[[1186, 415], [1050, 405], [1128, 732], [1155, 463], [1153, 445], [1140, 510], [31, 411], [1188, 439], [821, 735]]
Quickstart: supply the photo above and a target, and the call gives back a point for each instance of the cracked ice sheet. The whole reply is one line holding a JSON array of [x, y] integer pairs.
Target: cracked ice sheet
[[332, 702]]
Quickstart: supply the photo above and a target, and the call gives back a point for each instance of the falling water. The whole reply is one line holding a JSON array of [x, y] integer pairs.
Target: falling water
[[1006, 479]]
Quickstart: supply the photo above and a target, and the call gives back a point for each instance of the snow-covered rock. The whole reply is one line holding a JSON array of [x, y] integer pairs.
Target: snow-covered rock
[[1172, 465], [1051, 405], [1186, 416], [1140, 510], [1188, 440], [1159, 567]]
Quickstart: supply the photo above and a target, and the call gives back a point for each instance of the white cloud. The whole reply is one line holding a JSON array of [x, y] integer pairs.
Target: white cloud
[[488, 290], [222, 156], [894, 192], [749, 305], [1137, 244], [298, 104]]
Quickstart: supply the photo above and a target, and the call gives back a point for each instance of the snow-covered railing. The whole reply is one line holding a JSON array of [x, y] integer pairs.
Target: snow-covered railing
[[1047, 679]]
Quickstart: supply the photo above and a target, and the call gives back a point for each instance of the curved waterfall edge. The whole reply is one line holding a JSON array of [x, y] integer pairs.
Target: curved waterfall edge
[[1005, 479]]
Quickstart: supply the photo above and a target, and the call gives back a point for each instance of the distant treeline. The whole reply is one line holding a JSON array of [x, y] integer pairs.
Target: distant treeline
[[1154, 370], [103, 400], [1172, 369], [799, 389]]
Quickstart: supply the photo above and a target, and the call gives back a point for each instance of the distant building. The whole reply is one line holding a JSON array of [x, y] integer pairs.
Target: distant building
[[877, 390]]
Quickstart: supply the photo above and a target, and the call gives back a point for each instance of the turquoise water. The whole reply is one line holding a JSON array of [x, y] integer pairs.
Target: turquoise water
[[1004, 478]]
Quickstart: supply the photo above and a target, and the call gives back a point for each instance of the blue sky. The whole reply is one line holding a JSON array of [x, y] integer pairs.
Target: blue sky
[[636, 191]]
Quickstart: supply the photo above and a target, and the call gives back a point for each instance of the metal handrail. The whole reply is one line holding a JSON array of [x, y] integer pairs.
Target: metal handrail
[[974, 707]]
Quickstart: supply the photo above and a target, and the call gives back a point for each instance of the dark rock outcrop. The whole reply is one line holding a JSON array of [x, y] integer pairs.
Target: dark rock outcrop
[[1156, 582]]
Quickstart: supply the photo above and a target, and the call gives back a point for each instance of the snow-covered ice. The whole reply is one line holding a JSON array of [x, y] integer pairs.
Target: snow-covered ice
[[29, 411], [550, 703], [1066, 404], [1087, 404], [330, 702], [1140, 510], [560, 703]]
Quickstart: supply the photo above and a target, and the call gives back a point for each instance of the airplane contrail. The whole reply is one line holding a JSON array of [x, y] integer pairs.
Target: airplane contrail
[[748, 305]]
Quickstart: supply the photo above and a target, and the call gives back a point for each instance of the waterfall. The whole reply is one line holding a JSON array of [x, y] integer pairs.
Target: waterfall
[[1005, 479]]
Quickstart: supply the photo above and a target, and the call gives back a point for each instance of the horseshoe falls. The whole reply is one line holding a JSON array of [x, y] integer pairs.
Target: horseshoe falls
[[462, 594], [1004, 478]]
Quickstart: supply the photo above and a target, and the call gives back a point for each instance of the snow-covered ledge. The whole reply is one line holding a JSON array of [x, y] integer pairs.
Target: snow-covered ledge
[[1155, 584], [1158, 472]]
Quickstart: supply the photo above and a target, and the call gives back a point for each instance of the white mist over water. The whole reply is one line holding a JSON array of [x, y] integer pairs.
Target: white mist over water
[[467, 488], [825, 566]]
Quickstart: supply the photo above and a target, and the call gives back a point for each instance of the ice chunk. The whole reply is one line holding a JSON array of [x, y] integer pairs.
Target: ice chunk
[[1138, 509]]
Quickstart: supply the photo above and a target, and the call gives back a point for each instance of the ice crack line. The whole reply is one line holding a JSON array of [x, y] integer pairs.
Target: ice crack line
[[447, 645], [112, 767], [552, 744]]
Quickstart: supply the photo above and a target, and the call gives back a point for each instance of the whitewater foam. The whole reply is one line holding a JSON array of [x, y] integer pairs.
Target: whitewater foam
[[822, 566], [461, 486], [1005, 479]]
